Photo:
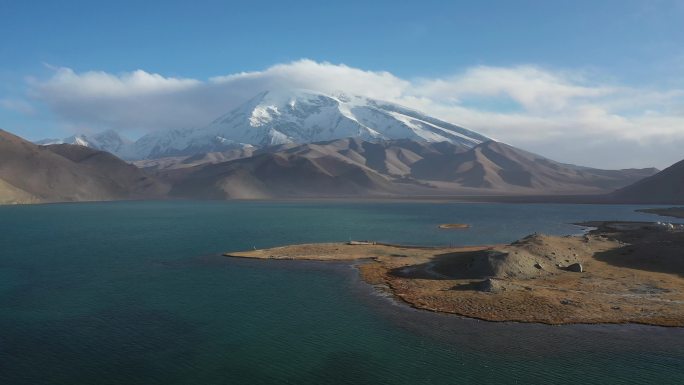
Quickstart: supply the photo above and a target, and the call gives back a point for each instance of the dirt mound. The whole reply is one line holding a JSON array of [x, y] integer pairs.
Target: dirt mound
[[533, 256]]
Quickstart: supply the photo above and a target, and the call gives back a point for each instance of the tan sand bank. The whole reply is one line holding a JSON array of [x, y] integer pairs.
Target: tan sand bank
[[454, 226], [630, 272]]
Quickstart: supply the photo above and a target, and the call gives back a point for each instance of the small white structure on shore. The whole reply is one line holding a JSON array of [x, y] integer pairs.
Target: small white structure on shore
[[356, 243]]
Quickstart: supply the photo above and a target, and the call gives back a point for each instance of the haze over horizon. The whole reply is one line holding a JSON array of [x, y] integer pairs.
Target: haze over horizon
[[592, 84]]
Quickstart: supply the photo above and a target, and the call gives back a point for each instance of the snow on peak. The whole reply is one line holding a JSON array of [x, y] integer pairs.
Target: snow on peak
[[108, 140], [262, 115], [289, 116], [81, 140], [301, 116]]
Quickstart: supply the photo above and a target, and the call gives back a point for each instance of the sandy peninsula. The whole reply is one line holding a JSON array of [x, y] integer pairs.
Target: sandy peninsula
[[619, 272]]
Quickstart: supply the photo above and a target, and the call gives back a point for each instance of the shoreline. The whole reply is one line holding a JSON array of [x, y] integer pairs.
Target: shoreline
[[671, 212], [529, 281], [577, 199]]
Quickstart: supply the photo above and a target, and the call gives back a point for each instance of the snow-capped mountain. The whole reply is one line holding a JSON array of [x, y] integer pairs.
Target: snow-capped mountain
[[298, 116], [183, 142], [109, 141]]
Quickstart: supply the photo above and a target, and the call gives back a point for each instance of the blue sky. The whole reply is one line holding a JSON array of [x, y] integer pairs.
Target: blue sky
[[631, 45], [630, 39]]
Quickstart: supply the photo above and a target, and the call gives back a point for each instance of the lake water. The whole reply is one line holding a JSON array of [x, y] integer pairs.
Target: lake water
[[137, 293]]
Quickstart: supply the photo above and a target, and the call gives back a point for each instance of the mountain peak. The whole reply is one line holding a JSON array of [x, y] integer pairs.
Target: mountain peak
[[290, 116], [109, 140], [304, 116]]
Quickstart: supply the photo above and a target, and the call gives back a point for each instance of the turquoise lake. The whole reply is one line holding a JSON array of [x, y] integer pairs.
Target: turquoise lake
[[138, 293]]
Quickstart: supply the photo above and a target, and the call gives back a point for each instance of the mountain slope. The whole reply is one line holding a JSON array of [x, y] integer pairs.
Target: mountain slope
[[665, 187], [176, 162], [12, 195], [279, 175], [30, 173], [494, 165], [354, 167]]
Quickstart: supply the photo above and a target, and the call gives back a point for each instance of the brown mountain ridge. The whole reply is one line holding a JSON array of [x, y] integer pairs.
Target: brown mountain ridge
[[350, 167], [665, 187], [353, 167], [62, 173]]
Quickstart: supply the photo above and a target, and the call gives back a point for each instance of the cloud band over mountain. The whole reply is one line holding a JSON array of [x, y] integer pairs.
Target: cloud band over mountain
[[599, 122]]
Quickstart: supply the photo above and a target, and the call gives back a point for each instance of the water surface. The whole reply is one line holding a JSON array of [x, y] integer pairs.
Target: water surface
[[137, 293]]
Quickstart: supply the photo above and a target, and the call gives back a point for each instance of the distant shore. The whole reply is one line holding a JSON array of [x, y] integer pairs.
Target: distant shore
[[674, 212], [620, 272], [513, 199]]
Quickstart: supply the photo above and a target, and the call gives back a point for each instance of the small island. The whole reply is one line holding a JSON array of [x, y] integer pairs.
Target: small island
[[454, 226], [619, 272]]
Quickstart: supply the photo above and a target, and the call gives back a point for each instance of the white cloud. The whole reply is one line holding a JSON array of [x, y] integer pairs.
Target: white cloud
[[568, 116], [324, 77], [101, 84], [531, 87]]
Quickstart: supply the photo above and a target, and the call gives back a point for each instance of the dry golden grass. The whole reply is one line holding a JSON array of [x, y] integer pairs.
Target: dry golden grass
[[634, 274]]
